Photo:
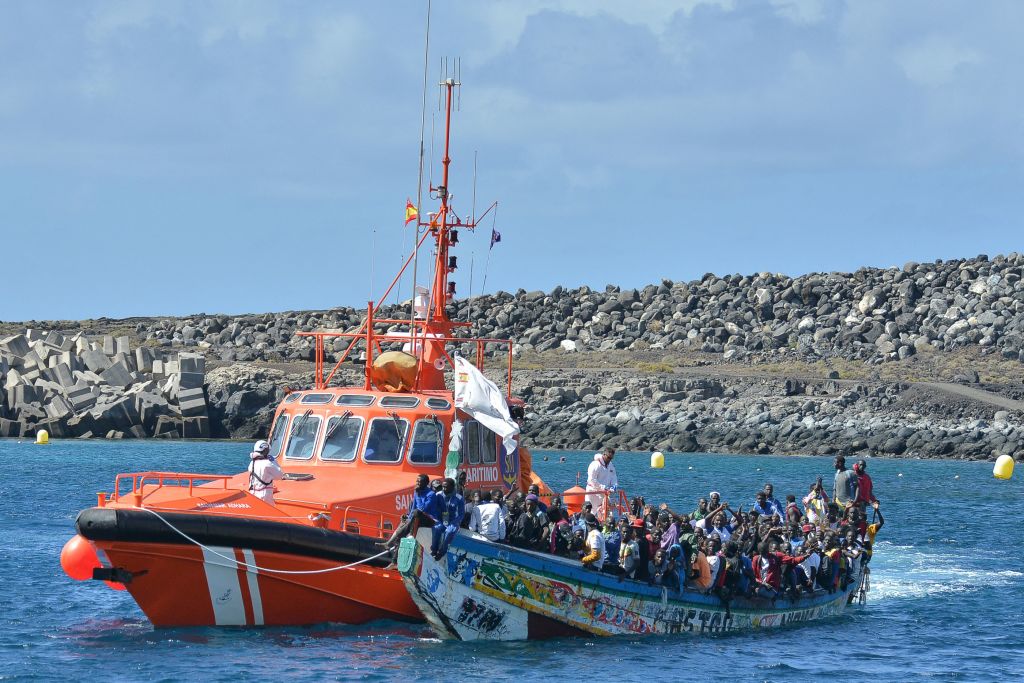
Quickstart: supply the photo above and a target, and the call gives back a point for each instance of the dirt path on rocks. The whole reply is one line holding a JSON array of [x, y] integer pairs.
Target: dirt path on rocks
[[973, 394]]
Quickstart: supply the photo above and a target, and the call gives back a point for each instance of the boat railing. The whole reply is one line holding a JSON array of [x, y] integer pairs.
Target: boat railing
[[156, 480], [417, 337], [615, 503], [362, 521]]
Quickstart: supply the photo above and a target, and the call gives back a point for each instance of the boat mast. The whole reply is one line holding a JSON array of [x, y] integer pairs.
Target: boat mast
[[440, 225]]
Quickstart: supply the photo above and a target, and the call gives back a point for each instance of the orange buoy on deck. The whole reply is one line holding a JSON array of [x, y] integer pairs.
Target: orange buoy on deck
[[573, 498]]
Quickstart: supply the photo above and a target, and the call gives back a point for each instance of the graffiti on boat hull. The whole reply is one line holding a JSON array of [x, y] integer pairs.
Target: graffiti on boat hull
[[478, 616], [562, 598], [616, 613]]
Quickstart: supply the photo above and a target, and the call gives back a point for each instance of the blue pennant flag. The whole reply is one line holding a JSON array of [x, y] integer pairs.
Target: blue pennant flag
[[495, 238]]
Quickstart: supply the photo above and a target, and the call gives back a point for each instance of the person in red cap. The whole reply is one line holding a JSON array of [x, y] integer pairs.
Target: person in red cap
[[643, 548]]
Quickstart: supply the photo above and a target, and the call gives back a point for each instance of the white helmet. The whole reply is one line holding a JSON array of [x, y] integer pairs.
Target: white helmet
[[261, 447]]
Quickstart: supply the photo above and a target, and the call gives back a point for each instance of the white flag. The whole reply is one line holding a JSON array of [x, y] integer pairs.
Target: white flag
[[481, 398]]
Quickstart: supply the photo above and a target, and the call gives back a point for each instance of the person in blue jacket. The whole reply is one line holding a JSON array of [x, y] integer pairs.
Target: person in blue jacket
[[448, 510], [422, 502]]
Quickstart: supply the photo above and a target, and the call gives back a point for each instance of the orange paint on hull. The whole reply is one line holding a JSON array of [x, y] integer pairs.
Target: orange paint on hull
[[179, 585]]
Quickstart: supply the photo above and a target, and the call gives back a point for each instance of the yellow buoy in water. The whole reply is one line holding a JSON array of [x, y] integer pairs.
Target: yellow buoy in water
[[657, 460], [1003, 468], [42, 437]]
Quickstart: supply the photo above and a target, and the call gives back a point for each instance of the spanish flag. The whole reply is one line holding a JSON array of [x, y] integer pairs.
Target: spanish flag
[[411, 213]]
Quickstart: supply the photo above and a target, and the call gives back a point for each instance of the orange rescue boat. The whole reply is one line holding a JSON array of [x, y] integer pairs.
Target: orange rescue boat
[[200, 549]]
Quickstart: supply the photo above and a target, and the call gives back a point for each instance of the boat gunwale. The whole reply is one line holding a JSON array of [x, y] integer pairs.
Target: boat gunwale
[[609, 583]]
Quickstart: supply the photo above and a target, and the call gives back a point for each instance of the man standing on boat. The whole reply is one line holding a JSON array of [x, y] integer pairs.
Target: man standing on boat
[[865, 493], [263, 471], [846, 484], [601, 477]]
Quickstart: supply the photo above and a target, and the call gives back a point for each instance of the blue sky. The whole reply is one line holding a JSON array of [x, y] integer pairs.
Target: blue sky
[[166, 157]]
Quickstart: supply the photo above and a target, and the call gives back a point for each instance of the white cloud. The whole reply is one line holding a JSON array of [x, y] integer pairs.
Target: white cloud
[[935, 60], [801, 11], [331, 56]]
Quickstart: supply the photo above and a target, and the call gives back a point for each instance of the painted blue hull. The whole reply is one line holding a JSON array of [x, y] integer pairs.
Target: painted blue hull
[[484, 590]]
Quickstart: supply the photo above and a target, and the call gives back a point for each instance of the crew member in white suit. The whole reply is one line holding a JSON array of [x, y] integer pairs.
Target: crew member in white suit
[[601, 476], [263, 471]]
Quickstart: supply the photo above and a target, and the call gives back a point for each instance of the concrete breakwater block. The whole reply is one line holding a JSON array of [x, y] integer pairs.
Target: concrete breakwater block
[[117, 375], [190, 380], [12, 379], [144, 359], [61, 374], [192, 402], [59, 407], [10, 428], [81, 424], [191, 362], [119, 414], [100, 387], [23, 395], [196, 427], [95, 361], [168, 427], [16, 345]]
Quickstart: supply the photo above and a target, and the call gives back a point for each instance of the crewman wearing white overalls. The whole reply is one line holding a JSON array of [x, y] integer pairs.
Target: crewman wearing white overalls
[[263, 471]]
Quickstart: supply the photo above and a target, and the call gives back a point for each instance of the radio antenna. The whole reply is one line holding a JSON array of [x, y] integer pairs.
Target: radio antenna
[[472, 211], [419, 180]]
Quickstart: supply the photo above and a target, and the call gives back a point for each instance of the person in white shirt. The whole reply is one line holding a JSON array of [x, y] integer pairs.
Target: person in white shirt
[[807, 571], [487, 518], [263, 472], [601, 476], [596, 552], [714, 557]]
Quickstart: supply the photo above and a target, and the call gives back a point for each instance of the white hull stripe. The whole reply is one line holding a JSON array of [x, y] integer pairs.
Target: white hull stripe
[[254, 587], [222, 583]]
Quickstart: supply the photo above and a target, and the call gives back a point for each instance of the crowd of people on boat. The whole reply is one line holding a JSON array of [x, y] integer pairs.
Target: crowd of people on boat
[[766, 548]]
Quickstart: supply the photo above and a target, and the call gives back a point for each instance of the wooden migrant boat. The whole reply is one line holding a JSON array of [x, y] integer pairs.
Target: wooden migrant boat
[[490, 591]]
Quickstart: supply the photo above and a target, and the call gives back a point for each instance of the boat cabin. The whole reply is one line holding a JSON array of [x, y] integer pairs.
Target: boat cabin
[[388, 437]]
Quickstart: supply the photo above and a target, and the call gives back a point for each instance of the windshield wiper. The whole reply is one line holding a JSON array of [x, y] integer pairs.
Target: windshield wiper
[[301, 421], [334, 427]]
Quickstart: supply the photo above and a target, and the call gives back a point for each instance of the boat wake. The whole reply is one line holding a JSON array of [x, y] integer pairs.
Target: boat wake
[[905, 572]]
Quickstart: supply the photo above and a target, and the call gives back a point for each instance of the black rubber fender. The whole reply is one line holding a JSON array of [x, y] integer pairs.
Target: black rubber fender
[[139, 526]]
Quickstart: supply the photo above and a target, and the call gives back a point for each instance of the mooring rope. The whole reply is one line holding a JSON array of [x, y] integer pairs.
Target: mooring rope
[[265, 570]]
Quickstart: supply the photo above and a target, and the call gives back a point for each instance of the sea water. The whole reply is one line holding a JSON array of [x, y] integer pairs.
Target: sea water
[[947, 587]]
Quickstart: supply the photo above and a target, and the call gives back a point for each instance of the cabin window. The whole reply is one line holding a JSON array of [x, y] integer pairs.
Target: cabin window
[[354, 400], [399, 401], [316, 399], [488, 446], [277, 434], [292, 397], [302, 436], [427, 442], [438, 404], [471, 443], [341, 440], [386, 440]]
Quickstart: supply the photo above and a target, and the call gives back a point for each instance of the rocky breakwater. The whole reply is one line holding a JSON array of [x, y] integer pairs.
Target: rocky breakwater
[[586, 409], [874, 315], [71, 386]]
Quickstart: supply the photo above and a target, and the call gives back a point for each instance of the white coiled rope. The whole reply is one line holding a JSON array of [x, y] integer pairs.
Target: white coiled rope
[[257, 568]]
